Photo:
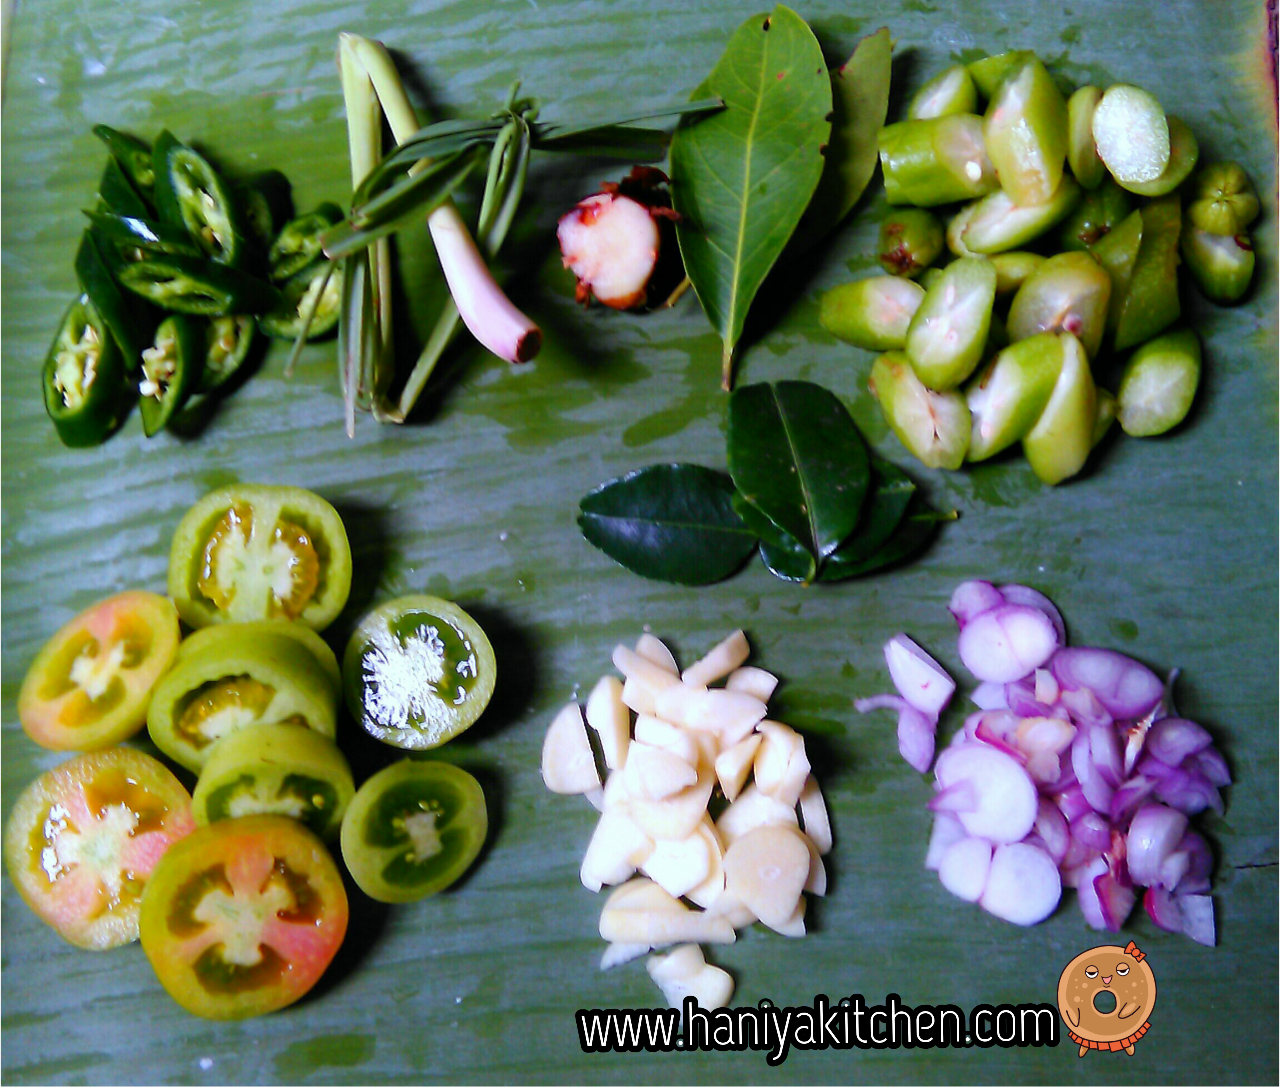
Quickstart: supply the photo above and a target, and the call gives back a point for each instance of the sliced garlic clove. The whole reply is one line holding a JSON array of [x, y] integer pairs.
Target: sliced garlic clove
[[738, 913], [813, 812], [617, 848], [731, 714], [645, 914], [767, 869], [654, 773], [639, 697], [670, 738], [733, 765], [708, 893], [654, 649], [617, 954], [607, 714], [676, 816], [781, 766], [568, 764], [720, 662], [683, 972], [753, 681], [678, 703], [636, 667], [793, 926], [753, 809], [615, 791], [816, 884], [677, 867]]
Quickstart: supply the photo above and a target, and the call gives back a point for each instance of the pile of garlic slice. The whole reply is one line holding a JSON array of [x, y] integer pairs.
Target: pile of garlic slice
[[753, 863]]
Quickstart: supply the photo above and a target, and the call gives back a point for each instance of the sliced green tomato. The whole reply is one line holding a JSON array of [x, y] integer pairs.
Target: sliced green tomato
[[243, 917], [278, 769], [413, 829], [252, 552], [215, 635], [417, 672], [233, 682], [85, 837], [88, 687]]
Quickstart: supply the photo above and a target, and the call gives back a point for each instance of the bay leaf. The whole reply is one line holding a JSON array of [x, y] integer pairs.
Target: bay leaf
[[673, 522], [742, 178], [859, 106], [796, 455]]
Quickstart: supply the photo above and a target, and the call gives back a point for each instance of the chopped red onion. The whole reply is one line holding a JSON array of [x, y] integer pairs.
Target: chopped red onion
[[1171, 740], [1104, 750], [986, 733], [1092, 829], [1125, 688], [917, 676], [1199, 863], [916, 737], [964, 868], [1154, 833], [1075, 864], [1189, 914], [946, 830], [1085, 709], [1046, 687], [1213, 765], [1023, 885], [971, 599], [1032, 598], [1021, 699], [1172, 870], [1188, 791], [989, 696], [1004, 796], [1007, 643], [1072, 802], [957, 798], [1095, 788], [1125, 801], [1052, 828]]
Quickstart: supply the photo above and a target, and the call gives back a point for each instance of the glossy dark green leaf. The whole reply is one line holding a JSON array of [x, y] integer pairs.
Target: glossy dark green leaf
[[742, 178], [912, 534], [795, 453], [782, 553], [886, 504], [859, 105], [675, 523]]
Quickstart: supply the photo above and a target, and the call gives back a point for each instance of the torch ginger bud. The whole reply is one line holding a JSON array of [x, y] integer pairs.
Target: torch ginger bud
[[613, 241]]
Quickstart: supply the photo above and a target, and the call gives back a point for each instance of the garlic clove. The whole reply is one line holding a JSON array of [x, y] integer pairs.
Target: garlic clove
[[678, 867], [654, 773], [813, 812], [734, 764], [568, 764], [677, 816], [670, 738], [607, 714], [751, 810], [753, 681], [781, 766], [767, 869], [653, 648], [616, 849], [719, 662]]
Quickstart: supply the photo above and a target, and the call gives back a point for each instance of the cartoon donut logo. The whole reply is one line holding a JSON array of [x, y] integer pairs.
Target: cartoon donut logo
[[1105, 997]]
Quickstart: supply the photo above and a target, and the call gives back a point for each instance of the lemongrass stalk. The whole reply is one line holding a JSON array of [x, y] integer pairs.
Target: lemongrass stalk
[[485, 310]]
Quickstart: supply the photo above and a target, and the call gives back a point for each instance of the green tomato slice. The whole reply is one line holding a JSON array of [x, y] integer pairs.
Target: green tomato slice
[[233, 682], [418, 671], [304, 636], [88, 687], [278, 769], [84, 838], [253, 552], [245, 918], [413, 829]]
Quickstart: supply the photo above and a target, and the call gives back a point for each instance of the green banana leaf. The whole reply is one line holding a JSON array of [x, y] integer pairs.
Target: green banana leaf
[[1166, 548]]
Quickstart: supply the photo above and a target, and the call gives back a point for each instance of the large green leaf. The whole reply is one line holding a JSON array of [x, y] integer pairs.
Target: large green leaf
[[795, 454], [741, 178], [859, 104], [886, 505], [675, 523], [912, 534], [783, 554]]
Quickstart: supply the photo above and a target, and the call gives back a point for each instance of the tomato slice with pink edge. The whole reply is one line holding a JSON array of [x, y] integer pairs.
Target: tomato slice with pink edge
[[243, 917], [89, 686], [85, 837]]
